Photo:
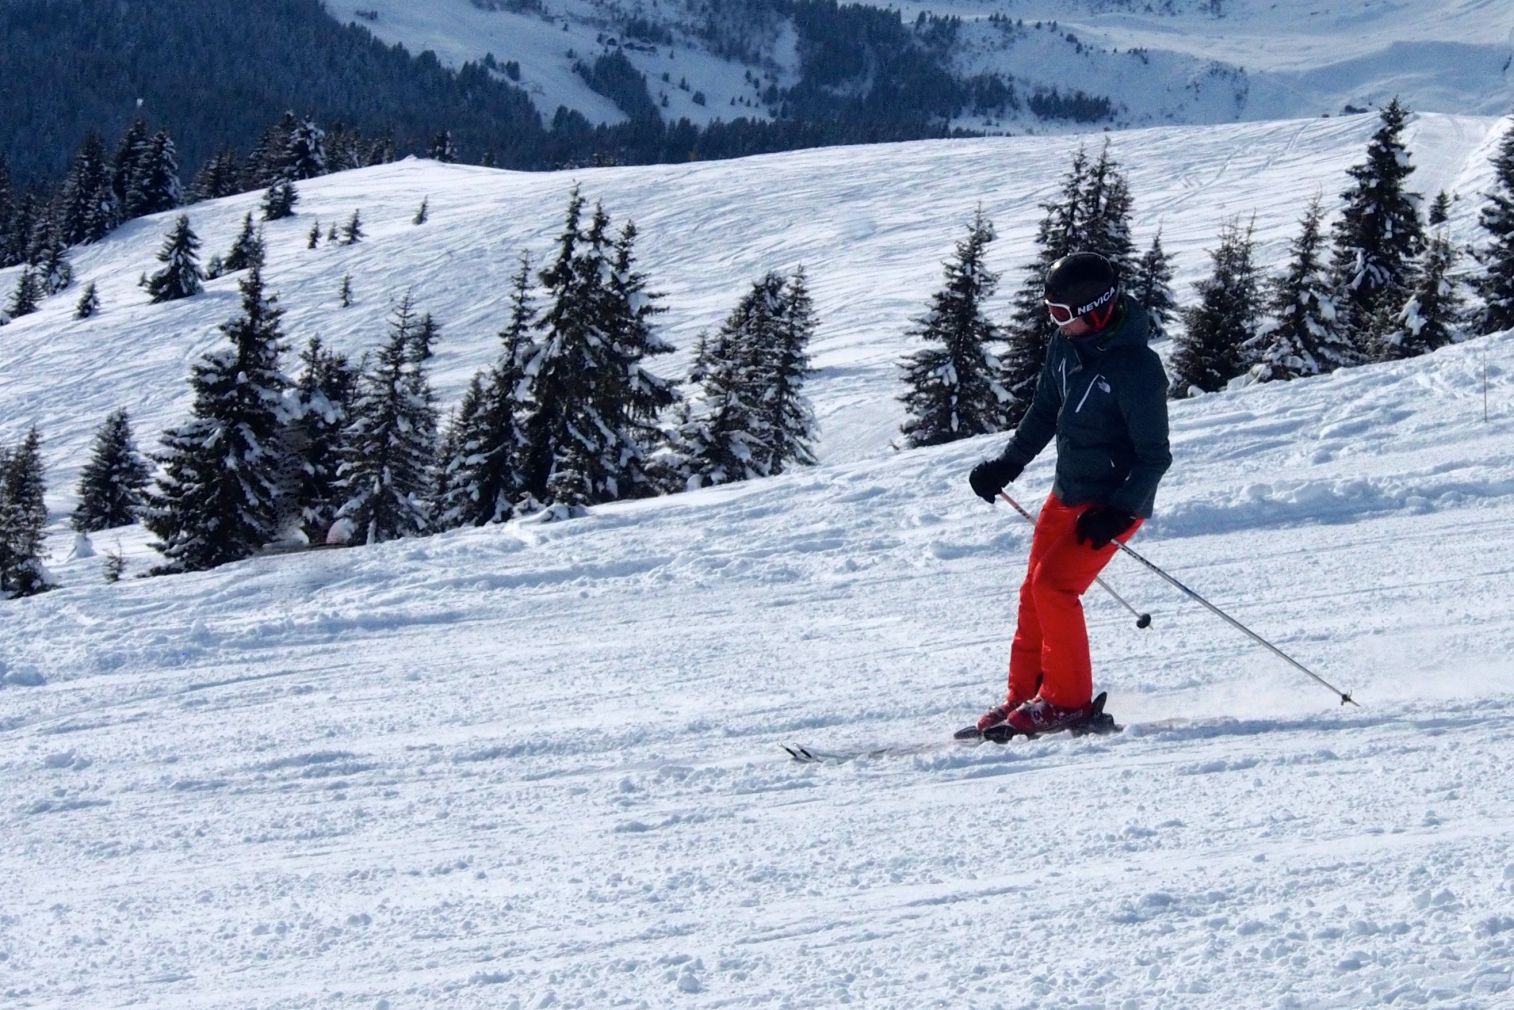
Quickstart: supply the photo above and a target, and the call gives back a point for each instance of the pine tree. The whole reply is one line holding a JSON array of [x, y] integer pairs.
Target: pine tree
[[1379, 233], [7, 212], [352, 231], [442, 149], [278, 202], [304, 152], [247, 251], [154, 185], [113, 482], [322, 410], [25, 298], [389, 444], [720, 435], [1440, 210], [16, 245], [23, 518], [217, 497], [181, 275], [314, 238], [1301, 337], [131, 151], [1431, 317], [1151, 286], [954, 390], [1104, 218], [1496, 283], [344, 296], [422, 212], [219, 177], [1223, 325], [86, 204], [54, 271], [89, 302], [787, 415], [1029, 330], [482, 479]]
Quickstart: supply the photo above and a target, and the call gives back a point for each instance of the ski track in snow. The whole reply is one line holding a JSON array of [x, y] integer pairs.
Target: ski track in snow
[[539, 765]]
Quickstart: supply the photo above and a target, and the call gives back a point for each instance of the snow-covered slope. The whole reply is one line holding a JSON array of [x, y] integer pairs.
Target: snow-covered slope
[[1175, 61], [537, 765]]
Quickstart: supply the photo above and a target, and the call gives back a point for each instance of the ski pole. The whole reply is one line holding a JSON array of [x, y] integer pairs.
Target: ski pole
[[1142, 620], [1345, 697]]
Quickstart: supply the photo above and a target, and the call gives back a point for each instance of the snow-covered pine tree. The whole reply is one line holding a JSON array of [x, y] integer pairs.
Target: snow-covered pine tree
[[389, 446], [279, 201], [720, 435], [7, 211], [788, 417], [1431, 317], [1440, 209], [89, 302], [15, 245], [1029, 330], [217, 497], [1105, 215], [575, 394], [323, 396], [483, 479], [1378, 234], [86, 204], [442, 149], [23, 518], [344, 295], [1301, 336], [1496, 283], [1223, 324], [155, 185], [130, 151], [953, 381], [459, 442], [25, 298], [304, 152], [181, 275], [634, 398], [217, 178], [1151, 285], [54, 271], [247, 250], [314, 238], [422, 212], [113, 482]]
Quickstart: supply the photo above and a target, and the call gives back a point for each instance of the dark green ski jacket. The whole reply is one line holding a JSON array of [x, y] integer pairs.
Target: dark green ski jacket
[[1104, 397]]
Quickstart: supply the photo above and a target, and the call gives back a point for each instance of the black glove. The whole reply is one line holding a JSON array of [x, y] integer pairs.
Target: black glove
[[1100, 524], [989, 477]]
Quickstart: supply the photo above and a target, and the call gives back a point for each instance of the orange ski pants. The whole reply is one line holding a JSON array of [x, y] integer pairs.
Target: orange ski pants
[[1050, 650]]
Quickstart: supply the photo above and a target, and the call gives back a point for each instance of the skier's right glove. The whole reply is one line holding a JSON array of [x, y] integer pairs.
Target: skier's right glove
[[989, 477]]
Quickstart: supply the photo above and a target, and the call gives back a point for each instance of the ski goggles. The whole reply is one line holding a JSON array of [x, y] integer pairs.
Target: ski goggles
[[1062, 314]]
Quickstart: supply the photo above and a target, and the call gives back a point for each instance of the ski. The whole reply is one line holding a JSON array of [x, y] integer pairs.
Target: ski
[[813, 755]]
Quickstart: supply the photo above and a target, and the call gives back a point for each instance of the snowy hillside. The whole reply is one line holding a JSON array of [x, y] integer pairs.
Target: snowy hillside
[[1158, 63], [538, 765]]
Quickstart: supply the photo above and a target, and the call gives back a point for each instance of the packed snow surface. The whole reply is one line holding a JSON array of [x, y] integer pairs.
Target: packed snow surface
[[539, 765]]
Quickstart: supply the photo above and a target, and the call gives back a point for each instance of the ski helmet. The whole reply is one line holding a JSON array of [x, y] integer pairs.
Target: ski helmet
[[1082, 285]]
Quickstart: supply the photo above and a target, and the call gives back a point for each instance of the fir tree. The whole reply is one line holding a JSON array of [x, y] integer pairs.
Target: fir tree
[[352, 231], [1440, 210], [1379, 233], [217, 178], [1496, 283], [304, 152], [1104, 218], [1151, 285], [331, 235], [247, 251], [89, 302], [954, 390], [314, 238], [1431, 316], [788, 417], [54, 271], [720, 435], [1221, 328], [23, 518], [482, 480], [389, 444], [278, 202], [1301, 337], [7, 212], [181, 275], [87, 207], [344, 296], [217, 497], [422, 212], [323, 399], [442, 149], [113, 482], [25, 298], [131, 150], [155, 185]]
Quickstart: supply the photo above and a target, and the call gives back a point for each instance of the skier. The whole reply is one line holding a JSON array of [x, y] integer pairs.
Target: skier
[[1103, 394]]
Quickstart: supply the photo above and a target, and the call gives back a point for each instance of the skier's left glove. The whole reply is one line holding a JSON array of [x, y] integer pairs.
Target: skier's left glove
[[989, 477], [1100, 524]]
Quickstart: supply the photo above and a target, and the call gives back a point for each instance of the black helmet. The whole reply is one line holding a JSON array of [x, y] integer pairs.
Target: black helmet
[[1082, 284]]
